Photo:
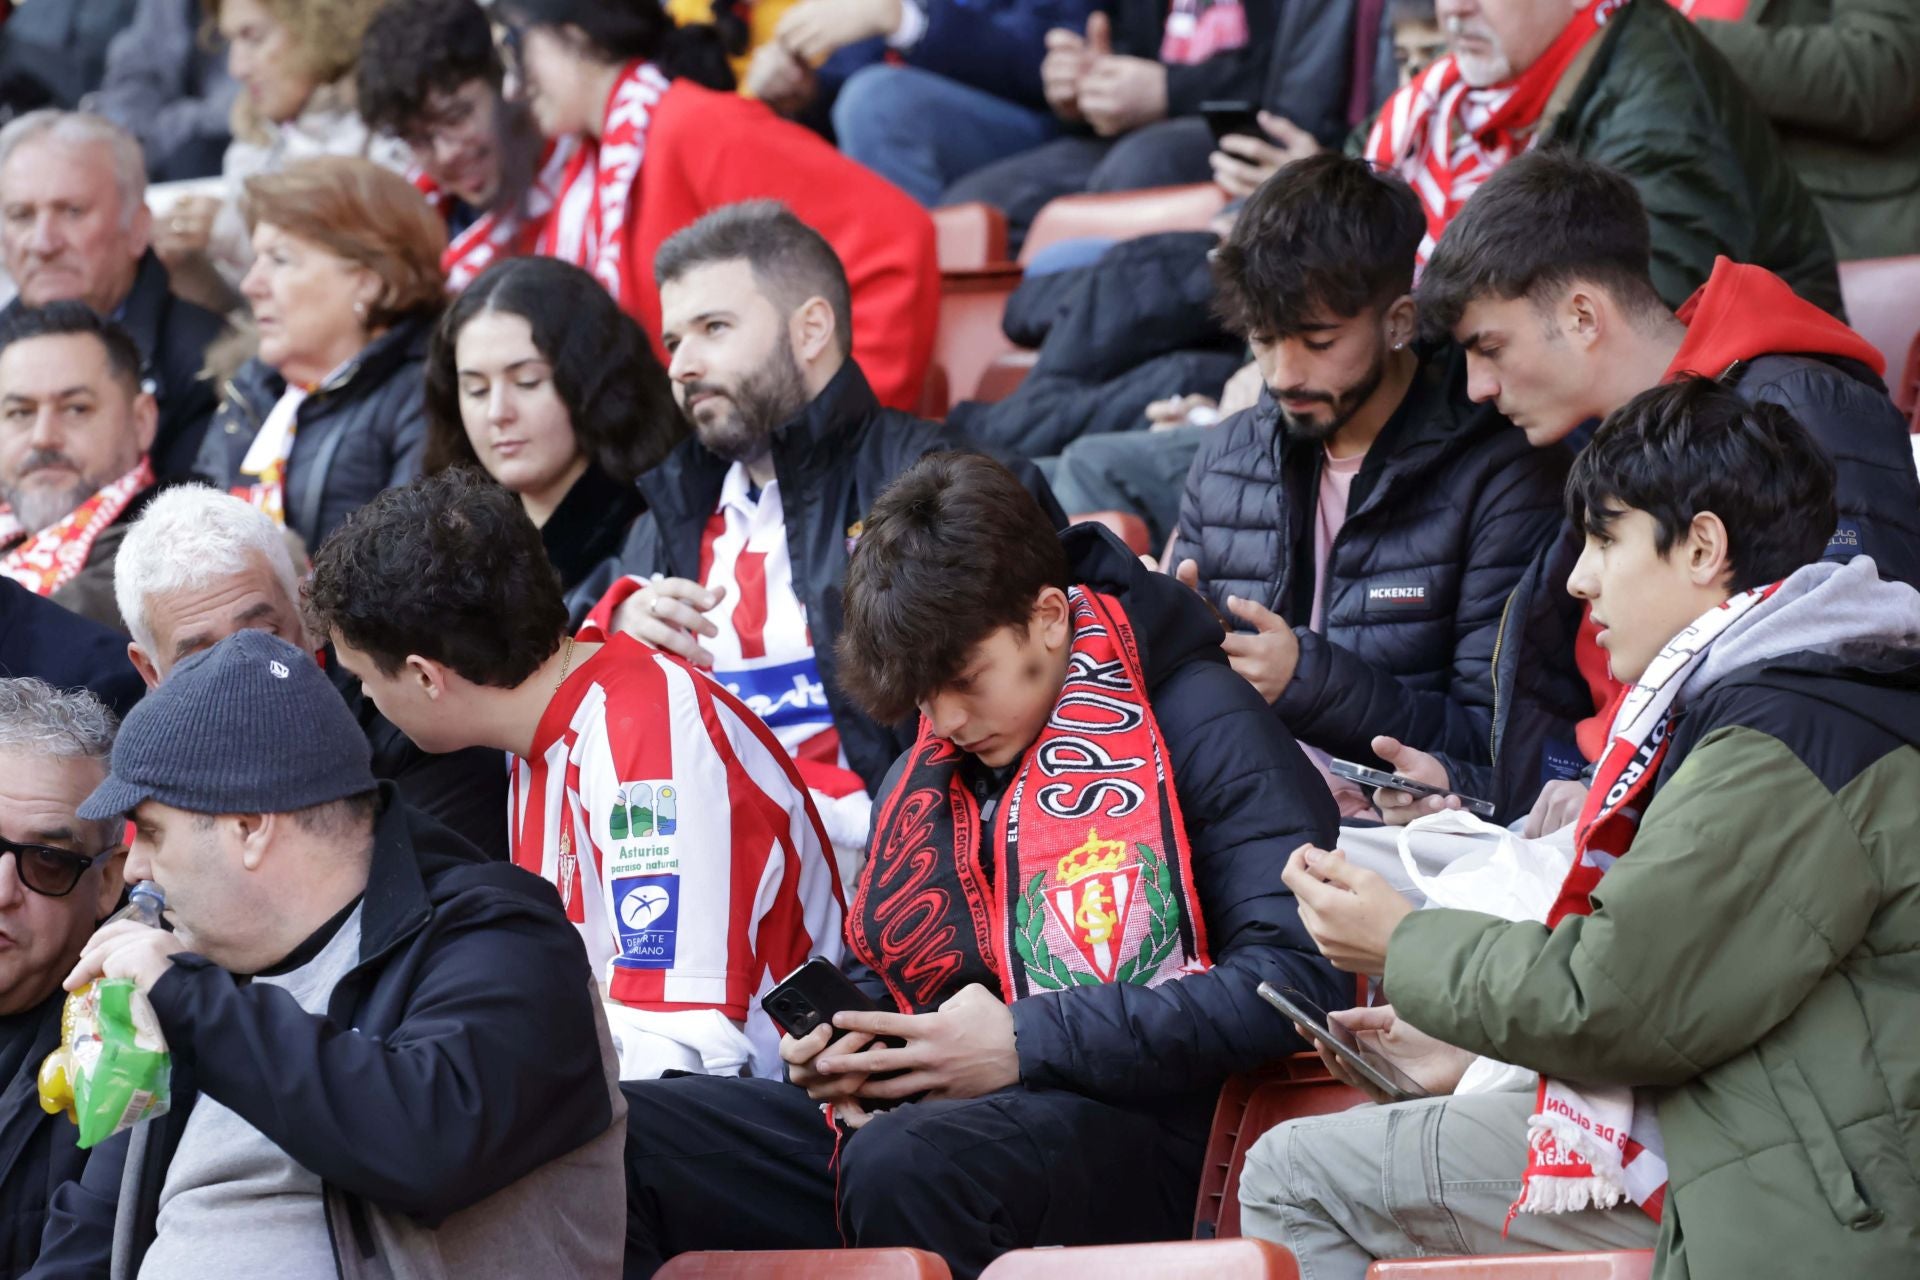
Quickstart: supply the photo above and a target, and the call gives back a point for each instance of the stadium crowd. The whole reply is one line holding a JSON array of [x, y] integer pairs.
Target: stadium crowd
[[633, 770]]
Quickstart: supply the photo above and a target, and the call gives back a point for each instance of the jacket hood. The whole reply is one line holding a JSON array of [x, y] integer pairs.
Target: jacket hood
[[1171, 622], [1743, 312]]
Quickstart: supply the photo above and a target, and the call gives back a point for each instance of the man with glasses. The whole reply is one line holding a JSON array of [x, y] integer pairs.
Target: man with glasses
[[59, 876]]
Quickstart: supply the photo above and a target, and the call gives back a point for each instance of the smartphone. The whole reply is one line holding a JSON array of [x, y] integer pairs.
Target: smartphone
[[1369, 1066], [1230, 117], [812, 994], [1379, 778]]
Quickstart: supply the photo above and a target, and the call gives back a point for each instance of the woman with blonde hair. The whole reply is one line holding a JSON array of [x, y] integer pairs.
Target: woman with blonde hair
[[294, 62], [345, 287]]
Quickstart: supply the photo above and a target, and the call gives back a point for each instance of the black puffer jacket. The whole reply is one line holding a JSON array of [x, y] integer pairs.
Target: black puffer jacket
[[831, 463], [1447, 510], [364, 430], [1250, 798]]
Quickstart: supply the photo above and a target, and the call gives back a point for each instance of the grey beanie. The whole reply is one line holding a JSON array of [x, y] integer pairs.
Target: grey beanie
[[251, 725]]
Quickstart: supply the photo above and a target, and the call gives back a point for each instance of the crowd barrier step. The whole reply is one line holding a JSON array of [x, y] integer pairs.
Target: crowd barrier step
[[1634, 1264], [1175, 1260], [808, 1264]]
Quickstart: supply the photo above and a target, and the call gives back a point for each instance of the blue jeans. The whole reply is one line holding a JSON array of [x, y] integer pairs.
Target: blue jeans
[[922, 132]]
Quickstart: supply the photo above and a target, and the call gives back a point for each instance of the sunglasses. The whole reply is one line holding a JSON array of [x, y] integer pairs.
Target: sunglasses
[[50, 872]]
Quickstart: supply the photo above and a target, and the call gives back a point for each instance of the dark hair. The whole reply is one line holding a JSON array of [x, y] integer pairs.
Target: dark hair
[[952, 551], [448, 567], [791, 261], [617, 394], [414, 49], [1693, 446], [60, 319], [1328, 233], [622, 30], [1542, 221]]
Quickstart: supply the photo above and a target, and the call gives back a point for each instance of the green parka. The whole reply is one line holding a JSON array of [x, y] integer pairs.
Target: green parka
[[1841, 79], [1755, 958]]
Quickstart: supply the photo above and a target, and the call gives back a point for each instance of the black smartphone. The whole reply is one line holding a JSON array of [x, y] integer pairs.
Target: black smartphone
[[1370, 1066], [1379, 778], [812, 994], [1227, 117]]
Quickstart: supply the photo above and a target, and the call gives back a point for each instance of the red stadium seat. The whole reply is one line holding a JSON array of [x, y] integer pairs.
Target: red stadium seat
[[1907, 391], [1004, 376], [1249, 1106], [969, 337], [1883, 306], [1177, 1260], [968, 237], [1122, 215], [1633, 1265], [808, 1264]]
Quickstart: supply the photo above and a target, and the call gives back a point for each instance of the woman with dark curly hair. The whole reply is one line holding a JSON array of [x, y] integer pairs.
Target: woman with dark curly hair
[[537, 376]]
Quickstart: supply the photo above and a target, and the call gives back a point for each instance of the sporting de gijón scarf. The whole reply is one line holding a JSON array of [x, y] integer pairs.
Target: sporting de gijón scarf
[[1091, 879]]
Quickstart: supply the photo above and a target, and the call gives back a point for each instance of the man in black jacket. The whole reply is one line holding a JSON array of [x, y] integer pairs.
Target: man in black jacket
[[1544, 278], [738, 562], [38, 638], [77, 226], [1364, 524], [395, 1042], [1088, 828]]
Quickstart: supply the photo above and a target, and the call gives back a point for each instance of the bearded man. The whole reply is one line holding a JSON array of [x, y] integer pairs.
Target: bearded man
[[739, 562], [75, 428], [1363, 525]]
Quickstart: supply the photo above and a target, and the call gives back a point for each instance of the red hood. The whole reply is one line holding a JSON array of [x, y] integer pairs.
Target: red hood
[[1743, 312]]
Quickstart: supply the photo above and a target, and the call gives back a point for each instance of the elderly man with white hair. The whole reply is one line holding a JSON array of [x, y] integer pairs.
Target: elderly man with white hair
[[74, 224], [200, 565]]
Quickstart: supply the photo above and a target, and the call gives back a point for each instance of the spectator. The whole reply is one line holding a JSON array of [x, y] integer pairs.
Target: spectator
[[383, 1048], [293, 61], [537, 376], [680, 838], [430, 75], [75, 225], [345, 287], [200, 565], [1555, 238], [1741, 891], [744, 27], [784, 426], [39, 639], [75, 427], [1052, 1053], [51, 54], [1841, 81], [62, 880], [655, 154], [168, 86], [1364, 525]]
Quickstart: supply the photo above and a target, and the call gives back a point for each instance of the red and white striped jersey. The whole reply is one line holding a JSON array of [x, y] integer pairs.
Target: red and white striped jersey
[[678, 832]]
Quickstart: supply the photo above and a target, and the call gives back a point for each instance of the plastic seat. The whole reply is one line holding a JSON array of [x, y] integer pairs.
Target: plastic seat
[[1249, 1106], [1123, 215], [1129, 528], [969, 337], [969, 237], [809, 1264], [1631, 1265], [1003, 377], [1177, 1260], [1883, 306]]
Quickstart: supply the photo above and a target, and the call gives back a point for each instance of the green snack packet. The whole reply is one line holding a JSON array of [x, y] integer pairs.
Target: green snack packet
[[122, 1073]]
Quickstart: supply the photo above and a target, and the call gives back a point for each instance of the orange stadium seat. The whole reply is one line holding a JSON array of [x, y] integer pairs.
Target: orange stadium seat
[[808, 1264], [1631, 1265], [1178, 1260], [969, 236], [1883, 306], [1122, 215], [1249, 1106]]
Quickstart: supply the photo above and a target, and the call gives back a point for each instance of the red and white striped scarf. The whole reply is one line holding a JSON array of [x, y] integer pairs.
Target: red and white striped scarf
[[48, 559], [1588, 1147], [501, 233], [589, 222], [1446, 137]]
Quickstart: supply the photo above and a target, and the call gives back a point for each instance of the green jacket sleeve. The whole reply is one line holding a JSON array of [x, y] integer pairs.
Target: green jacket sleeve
[[1856, 75], [1744, 886]]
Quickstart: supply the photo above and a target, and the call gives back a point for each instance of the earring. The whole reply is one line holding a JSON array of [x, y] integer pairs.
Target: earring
[[360, 309]]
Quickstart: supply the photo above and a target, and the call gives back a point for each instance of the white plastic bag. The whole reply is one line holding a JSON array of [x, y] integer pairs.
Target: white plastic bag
[[1508, 876]]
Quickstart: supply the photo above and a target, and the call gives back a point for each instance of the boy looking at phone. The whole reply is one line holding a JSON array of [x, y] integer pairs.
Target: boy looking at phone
[[1069, 899], [1720, 1002]]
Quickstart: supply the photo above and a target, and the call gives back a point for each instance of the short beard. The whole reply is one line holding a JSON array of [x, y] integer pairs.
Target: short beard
[[1343, 403], [1481, 71], [742, 423], [39, 508]]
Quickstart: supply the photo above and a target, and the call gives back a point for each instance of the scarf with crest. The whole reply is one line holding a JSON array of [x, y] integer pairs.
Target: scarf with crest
[[1092, 878], [589, 219], [47, 560]]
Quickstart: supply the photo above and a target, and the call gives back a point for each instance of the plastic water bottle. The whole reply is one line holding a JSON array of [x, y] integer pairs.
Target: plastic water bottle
[[145, 902]]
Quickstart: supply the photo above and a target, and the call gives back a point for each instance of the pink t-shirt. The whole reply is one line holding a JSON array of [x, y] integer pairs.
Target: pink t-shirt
[[1336, 483]]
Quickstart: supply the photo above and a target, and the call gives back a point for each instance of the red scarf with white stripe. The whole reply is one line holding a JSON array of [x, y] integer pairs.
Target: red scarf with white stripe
[[502, 233], [1446, 137], [589, 222], [49, 559], [1590, 1147]]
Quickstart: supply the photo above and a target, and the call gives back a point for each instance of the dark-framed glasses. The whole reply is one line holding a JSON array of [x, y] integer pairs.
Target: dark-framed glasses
[[47, 871]]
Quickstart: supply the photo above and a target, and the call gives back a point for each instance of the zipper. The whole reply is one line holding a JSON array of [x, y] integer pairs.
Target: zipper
[[1499, 642]]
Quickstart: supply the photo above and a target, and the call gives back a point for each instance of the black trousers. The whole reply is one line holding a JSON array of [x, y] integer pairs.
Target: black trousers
[[735, 1163]]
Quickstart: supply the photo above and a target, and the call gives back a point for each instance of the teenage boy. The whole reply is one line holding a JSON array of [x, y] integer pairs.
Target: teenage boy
[[1544, 279], [677, 832], [1730, 968], [1070, 901]]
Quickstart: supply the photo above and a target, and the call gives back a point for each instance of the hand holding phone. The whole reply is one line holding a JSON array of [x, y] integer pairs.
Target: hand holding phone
[[1372, 1073], [1226, 118], [1380, 779], [803, 1002]]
